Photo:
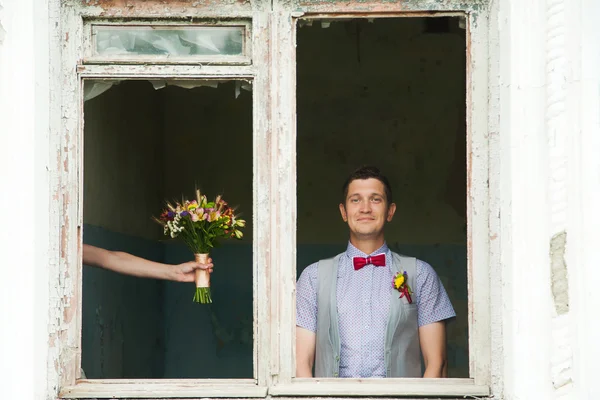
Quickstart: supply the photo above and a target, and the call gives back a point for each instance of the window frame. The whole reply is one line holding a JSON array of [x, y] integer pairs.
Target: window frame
[[478, 211], [167, 388], [274, 186], [89, 41], [69, 190]]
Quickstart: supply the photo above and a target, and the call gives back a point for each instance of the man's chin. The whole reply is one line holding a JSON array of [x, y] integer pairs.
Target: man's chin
[[367, 235]]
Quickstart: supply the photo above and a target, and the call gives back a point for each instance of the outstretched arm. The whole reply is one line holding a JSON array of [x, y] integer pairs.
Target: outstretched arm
[[129, 264], [433, 346]]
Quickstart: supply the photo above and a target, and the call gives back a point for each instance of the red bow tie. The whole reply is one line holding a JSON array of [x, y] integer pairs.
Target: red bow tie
[[378, 260]]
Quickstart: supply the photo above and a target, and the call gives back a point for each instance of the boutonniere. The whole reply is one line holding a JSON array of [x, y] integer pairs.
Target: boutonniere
[[401, 284]]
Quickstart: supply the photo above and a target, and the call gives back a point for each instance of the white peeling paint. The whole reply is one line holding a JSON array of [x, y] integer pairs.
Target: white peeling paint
[[2, 31], [544, 135]]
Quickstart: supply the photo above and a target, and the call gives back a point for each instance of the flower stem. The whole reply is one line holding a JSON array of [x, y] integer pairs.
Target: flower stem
[[202, 295]]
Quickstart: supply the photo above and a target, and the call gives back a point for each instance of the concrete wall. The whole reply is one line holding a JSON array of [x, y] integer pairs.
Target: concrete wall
[[197, 122], [123, 158], [27, 165], [389, 94], [122, 334]]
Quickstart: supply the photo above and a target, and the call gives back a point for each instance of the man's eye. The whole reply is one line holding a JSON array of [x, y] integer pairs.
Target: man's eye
[[376, 199], [354, 200]]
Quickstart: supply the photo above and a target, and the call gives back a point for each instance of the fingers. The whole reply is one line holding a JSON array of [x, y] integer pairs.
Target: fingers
[[190, 266], [196, 265], [205, 266]]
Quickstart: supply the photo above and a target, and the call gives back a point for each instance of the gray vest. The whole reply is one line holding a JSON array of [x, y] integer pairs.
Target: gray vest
[[402, 349]]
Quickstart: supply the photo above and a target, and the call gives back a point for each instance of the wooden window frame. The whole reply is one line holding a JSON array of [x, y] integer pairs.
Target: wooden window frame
[[244, 59], [479, 214], [67, 341], [272, 70]]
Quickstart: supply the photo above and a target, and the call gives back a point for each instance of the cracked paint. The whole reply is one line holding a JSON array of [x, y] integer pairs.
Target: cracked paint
[[2, 30], [155, 8], [558, 271]]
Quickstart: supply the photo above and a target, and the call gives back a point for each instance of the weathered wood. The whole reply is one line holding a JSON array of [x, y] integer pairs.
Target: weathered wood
[[166, 71], [143, 388], [380, 387], [283, 80], [273, 73], [478, 197], [65, 334], [377, 6], [262, 193]]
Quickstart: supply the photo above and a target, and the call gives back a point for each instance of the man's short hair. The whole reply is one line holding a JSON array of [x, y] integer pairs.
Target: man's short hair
[[366, 172]]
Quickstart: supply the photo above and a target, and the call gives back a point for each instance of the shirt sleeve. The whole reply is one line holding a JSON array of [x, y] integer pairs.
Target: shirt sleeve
[[433, 303], [306, 298]]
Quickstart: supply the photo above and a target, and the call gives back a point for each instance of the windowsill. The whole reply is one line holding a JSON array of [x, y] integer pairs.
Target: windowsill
[[162, 388], [394, 387], [224, 388]]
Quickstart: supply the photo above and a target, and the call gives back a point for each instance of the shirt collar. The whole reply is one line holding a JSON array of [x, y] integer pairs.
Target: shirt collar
[[352, 251]]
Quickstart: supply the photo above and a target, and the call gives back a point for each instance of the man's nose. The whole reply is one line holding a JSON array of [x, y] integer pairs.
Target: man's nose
[[365, 206]]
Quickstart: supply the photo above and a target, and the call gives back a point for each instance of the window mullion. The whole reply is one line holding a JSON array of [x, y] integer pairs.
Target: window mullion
[[283, 118], [263, 265]]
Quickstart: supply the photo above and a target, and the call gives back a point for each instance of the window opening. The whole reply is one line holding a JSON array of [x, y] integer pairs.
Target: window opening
[[143, 146], [388, 92]]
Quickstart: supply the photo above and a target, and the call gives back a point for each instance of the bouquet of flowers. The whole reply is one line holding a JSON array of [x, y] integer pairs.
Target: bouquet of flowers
[[200, 224]]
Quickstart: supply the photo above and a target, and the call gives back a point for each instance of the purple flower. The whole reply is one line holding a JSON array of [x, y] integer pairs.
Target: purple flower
[[171, 214], [185, 214]]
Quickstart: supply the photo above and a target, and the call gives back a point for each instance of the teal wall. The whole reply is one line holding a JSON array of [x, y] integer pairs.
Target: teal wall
[[123, 318], [211, 341]]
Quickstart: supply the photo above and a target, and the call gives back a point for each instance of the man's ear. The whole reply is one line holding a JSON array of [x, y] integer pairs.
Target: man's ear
[[343, 212], [390, 212]]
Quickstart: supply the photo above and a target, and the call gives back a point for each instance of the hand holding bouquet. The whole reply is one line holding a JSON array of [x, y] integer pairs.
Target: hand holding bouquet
[[200, 224]]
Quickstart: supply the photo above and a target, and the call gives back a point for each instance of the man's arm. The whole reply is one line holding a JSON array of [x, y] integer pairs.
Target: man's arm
[[433, 346], [305, 352], [129, 264]]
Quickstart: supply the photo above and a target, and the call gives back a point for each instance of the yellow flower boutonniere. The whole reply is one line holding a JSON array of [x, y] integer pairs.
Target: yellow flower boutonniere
[[400, 283]]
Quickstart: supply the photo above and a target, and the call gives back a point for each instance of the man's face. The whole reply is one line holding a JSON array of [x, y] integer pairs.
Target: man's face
[[366, 208]]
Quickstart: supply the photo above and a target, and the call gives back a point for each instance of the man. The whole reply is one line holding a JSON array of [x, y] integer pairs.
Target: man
[[351, 321], [129, 264]]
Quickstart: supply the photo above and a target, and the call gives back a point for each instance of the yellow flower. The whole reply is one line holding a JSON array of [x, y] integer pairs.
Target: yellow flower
[[399, 281], [238, 234]]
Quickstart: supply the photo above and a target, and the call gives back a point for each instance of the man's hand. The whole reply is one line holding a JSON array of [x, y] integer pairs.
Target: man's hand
[[305, 352], [433, 346], [186, 272]]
